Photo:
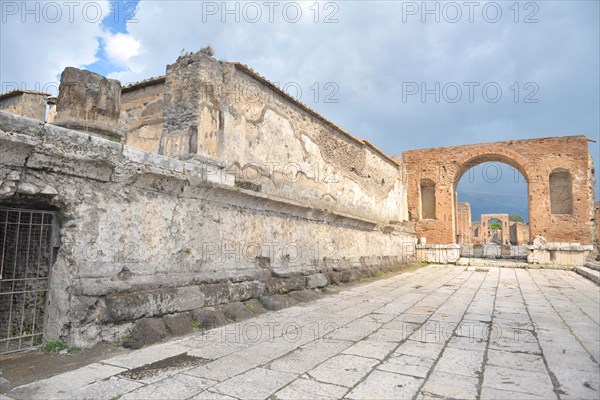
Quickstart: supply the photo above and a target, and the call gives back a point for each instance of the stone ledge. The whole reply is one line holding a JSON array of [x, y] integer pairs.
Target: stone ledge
[[107, 281], [589, 273], [567, 247], [130, 306]]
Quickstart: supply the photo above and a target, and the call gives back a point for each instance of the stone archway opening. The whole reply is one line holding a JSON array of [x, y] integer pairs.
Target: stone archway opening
[[560, 195], [492, 210], [495, 231]]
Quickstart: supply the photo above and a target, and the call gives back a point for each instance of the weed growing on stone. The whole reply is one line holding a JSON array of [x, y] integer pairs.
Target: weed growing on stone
[[57, 345], [37, 340]]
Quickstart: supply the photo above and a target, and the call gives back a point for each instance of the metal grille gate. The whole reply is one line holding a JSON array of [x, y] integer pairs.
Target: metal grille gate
[[26, 256]]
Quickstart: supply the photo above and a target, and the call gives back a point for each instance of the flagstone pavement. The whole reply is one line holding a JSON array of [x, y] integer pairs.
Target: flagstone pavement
[[435, 332]]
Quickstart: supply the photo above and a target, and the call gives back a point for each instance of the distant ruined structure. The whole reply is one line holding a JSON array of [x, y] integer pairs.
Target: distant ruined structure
[[209, 186], [464, 231], [476, 232]]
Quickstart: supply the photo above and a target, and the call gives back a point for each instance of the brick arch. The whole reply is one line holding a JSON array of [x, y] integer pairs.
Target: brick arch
[[492, 154], [511, 158], [535, 159]]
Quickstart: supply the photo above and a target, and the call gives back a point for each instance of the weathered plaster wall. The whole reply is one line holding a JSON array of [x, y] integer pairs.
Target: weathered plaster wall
[[274, 144], [534, 158], [143, 234]]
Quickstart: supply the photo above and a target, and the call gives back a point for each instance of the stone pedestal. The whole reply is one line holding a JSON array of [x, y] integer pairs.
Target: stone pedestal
[[90, 103], [559, 255]]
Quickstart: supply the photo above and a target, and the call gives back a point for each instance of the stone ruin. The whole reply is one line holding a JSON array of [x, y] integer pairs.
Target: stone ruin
[[192, 193], [479, 240], [561, 182]]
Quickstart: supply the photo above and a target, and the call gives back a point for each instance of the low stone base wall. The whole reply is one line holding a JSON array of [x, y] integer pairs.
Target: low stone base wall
[[228, 304], [496, 251], [438, 253]]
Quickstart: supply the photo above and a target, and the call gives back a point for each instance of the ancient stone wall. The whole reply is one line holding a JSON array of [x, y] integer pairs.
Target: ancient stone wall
[[536, 159], [146, 235]]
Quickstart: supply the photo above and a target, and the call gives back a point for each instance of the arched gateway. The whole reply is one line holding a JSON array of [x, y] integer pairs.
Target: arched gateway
[[560, 176]]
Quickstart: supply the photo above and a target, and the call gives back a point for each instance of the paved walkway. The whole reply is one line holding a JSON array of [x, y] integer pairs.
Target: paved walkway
[[455, 332]]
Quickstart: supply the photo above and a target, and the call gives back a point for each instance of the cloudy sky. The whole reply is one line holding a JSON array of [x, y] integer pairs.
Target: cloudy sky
[[401, 74]]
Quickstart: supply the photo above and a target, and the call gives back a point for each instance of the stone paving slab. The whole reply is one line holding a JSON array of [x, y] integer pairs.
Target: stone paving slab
[[177, 387], [61, 386], [386, 385], [436, 332], [447, 385], [343, 370], [302, 389]]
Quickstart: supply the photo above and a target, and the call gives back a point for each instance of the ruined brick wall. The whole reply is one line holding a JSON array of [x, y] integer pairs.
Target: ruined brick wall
[[141, 118], [147, 235], [464, 229], [523, 237], [476, 232], [519, 233], [536, 159], [514, 233]]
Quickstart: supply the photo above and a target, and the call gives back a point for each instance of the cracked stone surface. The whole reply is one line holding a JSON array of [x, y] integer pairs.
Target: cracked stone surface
[[435, 332]]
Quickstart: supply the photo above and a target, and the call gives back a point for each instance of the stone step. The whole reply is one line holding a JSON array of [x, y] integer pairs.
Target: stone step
[[593, 265], [589, 273]]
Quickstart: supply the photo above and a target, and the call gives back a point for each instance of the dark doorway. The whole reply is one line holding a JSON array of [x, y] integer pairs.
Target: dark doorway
[[27, 241]]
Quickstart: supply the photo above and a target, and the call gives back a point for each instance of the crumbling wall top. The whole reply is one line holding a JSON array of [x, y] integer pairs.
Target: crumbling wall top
[[146, 82], [89, 102], [18, 92], [361, 142]]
